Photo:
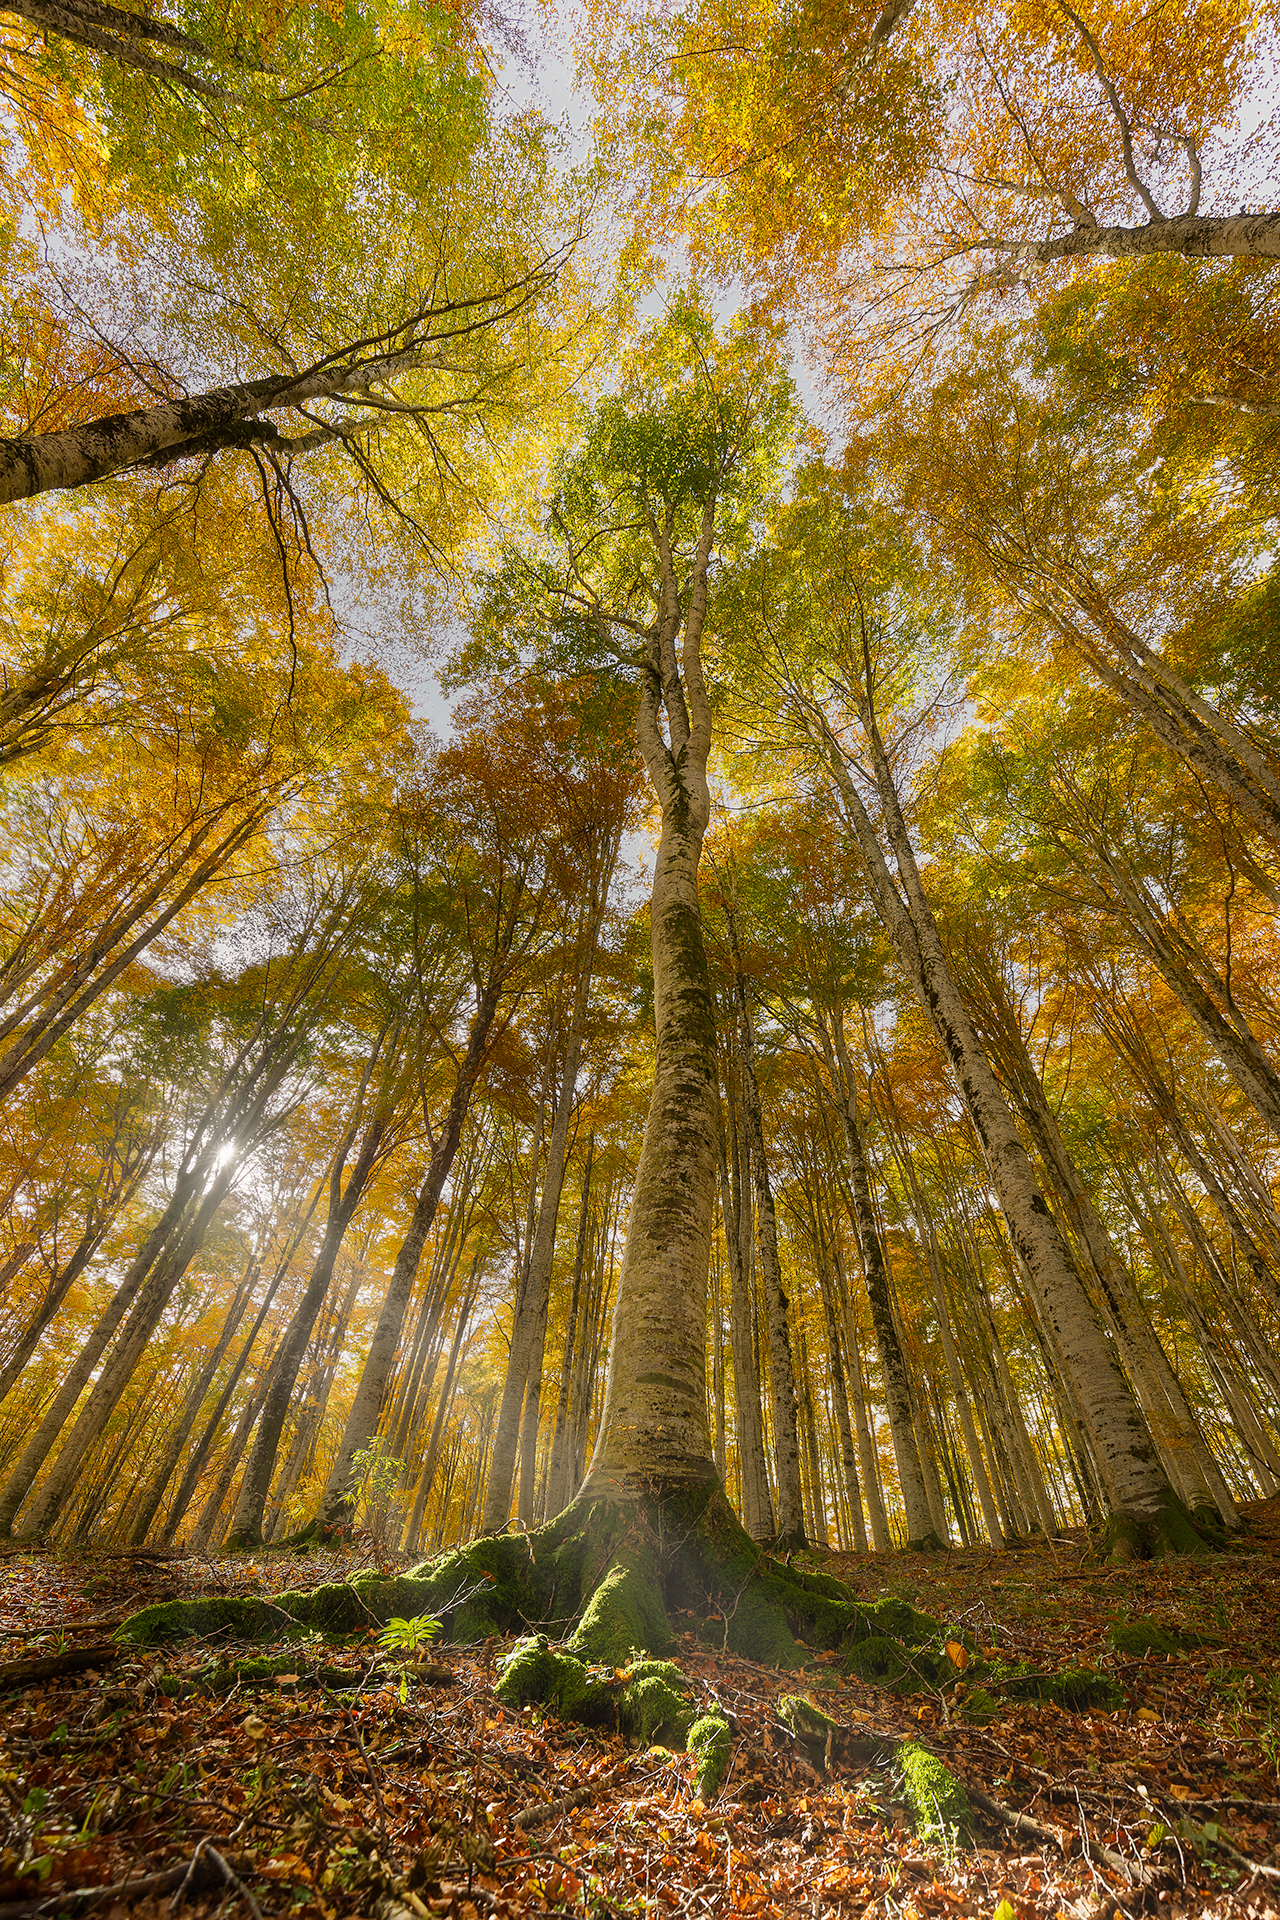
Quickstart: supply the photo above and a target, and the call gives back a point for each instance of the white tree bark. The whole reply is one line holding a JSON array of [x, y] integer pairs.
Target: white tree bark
[[1237, 236]]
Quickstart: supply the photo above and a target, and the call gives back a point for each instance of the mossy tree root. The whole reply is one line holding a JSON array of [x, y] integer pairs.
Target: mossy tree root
[[1170, 1529]]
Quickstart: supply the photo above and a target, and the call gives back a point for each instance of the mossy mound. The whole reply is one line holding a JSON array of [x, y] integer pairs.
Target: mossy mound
[[270, 1672], [1148, 1636], [1076, 1689], [536, 1673], [654, 1702], [645, 1700], [897, 1619], [938, 1801], [1171, 1529], [883, 1663], [625, 1613], [813, 1730], [710, 1740]]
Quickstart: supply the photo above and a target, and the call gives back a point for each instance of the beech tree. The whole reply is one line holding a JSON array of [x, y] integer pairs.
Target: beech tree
[[664, 472]]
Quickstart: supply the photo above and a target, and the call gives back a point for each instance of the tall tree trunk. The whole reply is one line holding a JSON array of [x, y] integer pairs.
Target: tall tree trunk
[[366, 1407], [426, 1479], [893, 1365], [881, 1539], [782, 1378], [735, 1209], [839, 1386], [560, 1491], [653, 1430], [522, 1387]]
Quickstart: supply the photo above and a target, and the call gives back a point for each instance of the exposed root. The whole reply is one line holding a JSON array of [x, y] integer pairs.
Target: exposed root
[[590, 1598]]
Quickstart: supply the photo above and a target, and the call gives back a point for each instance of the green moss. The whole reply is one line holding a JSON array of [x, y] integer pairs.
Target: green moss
[[535, 1673], [344, 1607], [936, 1798], [199, 1619], [219, 1678], [1146, 1636], [651, 1708], [626, 1613], [879, 1660], [1169, 1530], [626, 1561], [650, 1698], [491, 1586], [711, 1743], [1077, 1689]]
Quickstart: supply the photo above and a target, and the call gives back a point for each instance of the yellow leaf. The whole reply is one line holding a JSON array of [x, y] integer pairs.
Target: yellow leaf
[[957, 1654], [1145, 1713]]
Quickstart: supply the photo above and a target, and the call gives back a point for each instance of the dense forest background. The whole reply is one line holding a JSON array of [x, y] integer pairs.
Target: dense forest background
[[327, 1022]]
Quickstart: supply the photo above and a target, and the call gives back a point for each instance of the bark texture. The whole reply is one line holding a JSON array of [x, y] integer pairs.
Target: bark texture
[[654, 1426]]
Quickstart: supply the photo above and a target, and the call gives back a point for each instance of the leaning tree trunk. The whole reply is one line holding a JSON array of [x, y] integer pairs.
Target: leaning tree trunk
[[112, 1382], [1145, 1511], [1191, 1466], [246, 1525], [149, 1506]]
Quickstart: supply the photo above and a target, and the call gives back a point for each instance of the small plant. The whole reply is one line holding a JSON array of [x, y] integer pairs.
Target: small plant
[[375, 1478], [409, 1636]]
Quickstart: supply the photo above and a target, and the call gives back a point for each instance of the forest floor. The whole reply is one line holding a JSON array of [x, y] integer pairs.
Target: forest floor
[[322, 1790]]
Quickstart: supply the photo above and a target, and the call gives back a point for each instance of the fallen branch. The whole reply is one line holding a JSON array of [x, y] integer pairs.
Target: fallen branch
[[25, 1673], [205, 1869], [552, 1809], [1252, 1867], [1133, 1871], [64, 1626], [206, 1850]]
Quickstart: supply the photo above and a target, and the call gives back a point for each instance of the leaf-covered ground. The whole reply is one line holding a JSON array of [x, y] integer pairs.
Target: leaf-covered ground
[[342, 1781]]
